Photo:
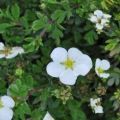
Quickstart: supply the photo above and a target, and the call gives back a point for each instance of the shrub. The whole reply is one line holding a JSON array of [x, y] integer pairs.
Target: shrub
[[60, 59]]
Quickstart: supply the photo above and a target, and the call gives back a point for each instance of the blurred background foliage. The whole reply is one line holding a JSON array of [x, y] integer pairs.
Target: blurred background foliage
[[41, 25]]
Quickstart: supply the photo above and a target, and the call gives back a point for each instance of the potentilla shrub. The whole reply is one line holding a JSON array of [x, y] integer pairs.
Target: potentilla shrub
[[59, 60]]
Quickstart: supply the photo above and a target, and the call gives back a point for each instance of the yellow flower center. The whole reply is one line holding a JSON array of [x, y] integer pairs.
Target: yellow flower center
[[1, 104], [6, 51], [100, 70], [69, 63]]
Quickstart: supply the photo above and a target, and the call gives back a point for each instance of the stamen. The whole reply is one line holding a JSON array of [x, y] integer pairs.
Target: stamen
[[69, 63], [100, 70], [6, 51]]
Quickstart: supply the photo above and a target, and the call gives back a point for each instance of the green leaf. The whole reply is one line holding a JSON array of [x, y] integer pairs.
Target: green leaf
[[28, 80], [76, 111], [41, 23], [15, 11], [38, 24], [34, 44], [90, 37], [4, 26], [18, 89], [37, 114], [22, 110], [111, 44], [56, 33], [59, 16]]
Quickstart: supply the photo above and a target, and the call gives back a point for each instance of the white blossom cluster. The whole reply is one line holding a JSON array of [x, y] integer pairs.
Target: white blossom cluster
[[96, 105], [68, 65], [100, 19]]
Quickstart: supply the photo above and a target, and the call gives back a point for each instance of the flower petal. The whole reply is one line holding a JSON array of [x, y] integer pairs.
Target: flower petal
[[1, 46], [99, 26], [19, 50], [107, 16], [2, 55], [68, 77], [59, 54], [83, 65], [8, 101], [81, 69], [104, 75], [104, 22], [15, 51], [93, 19], [48, 117], [6, 113], [85, 60], [98, 13], [98, 63], [93, 102], [105, 64], [98, 109], [74, 54], [54, 69], [11, 55]]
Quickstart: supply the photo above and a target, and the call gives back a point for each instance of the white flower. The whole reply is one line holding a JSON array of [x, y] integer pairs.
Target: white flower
[[48, 117], [94, 102], [100, 19], [68, 65], [6, 105], [101, 66], [96, 105], [6, 52]]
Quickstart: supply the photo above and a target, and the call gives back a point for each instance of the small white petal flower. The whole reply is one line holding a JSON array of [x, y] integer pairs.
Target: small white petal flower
[[101, 66], [68, 65], [48, 117], [6, 105], [6, 52], [96, 105], [100, 19]]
